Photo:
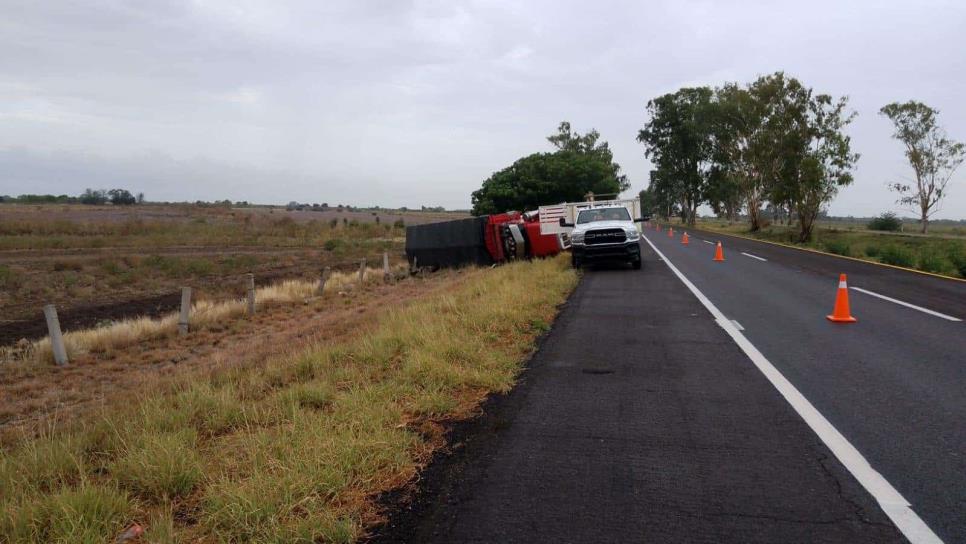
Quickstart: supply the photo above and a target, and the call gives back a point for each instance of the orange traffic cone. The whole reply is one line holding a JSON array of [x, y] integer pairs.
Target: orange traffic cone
[[684, 239], [841, 313], [718, 253], [670, 232]]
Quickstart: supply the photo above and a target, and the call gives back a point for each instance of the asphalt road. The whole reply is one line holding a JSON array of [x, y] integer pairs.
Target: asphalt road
[[641, 420], [894, 383]]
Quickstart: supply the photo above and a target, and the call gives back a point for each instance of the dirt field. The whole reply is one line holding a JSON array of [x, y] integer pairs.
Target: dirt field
[[33, 392], [99, 263]]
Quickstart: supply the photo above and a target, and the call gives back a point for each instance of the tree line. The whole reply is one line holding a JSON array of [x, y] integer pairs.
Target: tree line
[[779, 144], [117, 197], [772, 146]]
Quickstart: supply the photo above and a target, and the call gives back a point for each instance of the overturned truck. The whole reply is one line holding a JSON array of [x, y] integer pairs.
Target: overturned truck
[[503, 237], [483, 240]]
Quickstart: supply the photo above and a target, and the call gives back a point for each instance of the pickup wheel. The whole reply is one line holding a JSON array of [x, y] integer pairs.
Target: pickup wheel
[[636, 264], [574, 261]]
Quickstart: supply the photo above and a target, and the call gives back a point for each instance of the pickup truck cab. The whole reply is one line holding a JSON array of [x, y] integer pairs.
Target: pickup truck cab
[[604, 234]]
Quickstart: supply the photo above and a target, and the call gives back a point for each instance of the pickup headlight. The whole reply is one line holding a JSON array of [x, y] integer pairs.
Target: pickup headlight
[[577, 238], [633, 235]]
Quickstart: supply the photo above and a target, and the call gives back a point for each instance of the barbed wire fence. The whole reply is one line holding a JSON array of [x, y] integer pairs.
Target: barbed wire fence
[[233, 286]]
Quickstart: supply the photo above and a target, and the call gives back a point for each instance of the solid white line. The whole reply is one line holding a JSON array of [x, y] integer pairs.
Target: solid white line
[[754, 256], [737, 325], [892, 502], [906, 304]]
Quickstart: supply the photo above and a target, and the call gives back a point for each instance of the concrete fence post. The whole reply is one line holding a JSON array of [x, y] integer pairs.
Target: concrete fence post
[[251, 294], [326, 272], [386, 275], [185, 311], [56, 338], [362, 271], [414, 268]]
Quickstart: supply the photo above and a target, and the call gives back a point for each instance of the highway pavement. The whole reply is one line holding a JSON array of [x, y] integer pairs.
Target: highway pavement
[[893, 383], [649, 416]]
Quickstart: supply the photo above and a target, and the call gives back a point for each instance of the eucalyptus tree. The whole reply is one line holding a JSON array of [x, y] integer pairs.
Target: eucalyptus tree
[[934, 157], [815, 171], [678, 138]]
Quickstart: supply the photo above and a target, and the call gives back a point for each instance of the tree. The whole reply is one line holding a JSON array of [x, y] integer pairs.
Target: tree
[[724, 193], [649, 202], [588, 144], [667, 206], [580, 165], [756, 136], [679, 140], [738, 126], [933, 156], [121, 197], [91, 196], [813, 174]]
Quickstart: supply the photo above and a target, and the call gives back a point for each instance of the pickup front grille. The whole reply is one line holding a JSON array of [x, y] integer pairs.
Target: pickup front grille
[[605, 236]]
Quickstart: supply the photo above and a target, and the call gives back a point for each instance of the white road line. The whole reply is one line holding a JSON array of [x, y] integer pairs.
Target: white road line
[[906, 304], [708, 242], [890, 500], [754, 256], [737, 325]]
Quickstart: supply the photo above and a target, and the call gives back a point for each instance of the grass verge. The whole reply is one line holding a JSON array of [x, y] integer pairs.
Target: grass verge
[[290, 450], [936, 255]]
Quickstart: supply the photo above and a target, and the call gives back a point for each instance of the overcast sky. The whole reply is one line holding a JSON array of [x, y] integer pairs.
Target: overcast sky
[[408, 103]]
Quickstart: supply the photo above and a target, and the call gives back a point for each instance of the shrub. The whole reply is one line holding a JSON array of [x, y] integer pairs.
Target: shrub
[[933, 260], [873, 251], [958, 258], [332, 244], [887, 222], [399, 224], [897, 256], [838, 247]]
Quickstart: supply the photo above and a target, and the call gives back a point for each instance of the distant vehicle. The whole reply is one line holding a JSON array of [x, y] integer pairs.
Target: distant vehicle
[[604, 233]]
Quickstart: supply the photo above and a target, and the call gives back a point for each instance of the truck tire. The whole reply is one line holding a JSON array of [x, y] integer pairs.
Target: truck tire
[[636, 264], [574, 261]]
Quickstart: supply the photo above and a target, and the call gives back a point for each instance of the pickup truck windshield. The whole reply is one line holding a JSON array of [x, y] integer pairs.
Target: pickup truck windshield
[[604, 214]]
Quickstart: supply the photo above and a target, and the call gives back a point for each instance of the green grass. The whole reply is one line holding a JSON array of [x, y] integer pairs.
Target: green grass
[[292, 450]]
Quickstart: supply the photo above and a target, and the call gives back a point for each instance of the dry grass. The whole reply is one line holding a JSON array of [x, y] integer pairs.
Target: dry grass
[[205, 313], [290, 450]]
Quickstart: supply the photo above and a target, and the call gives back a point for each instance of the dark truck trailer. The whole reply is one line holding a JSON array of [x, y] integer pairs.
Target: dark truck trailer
[[448, 244], [480, 241]]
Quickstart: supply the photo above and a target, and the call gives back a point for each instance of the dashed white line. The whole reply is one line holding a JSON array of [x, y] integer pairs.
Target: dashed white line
[[906, 304], [892, 502], [754, 256], [708, 242]]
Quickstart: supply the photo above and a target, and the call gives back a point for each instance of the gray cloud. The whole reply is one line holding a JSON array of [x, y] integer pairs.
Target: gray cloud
[[408, 103]]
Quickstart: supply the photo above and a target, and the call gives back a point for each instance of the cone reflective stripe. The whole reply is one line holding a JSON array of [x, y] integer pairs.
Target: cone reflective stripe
[[842, 313], [684, 239], [718, 253]]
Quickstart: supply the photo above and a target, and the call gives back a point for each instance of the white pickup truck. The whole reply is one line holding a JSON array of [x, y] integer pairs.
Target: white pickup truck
[[604, 233]]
